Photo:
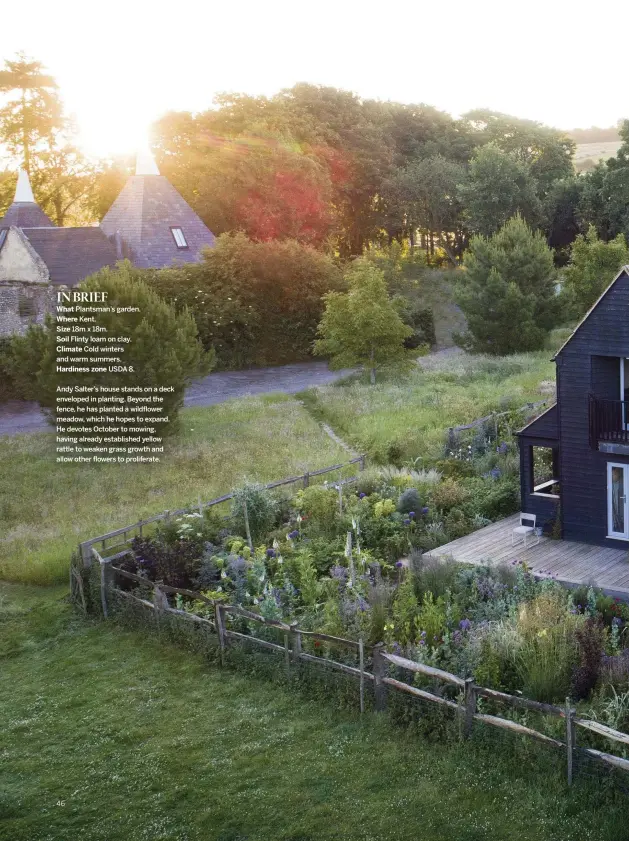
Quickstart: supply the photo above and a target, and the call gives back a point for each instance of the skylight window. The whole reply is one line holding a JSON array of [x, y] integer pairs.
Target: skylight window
[[179, 238]]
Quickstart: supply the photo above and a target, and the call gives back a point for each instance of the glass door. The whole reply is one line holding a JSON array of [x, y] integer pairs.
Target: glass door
[[618, 501]]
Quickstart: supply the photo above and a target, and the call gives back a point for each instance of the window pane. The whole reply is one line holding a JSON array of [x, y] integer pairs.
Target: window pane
[[179, 237], [618, 500]]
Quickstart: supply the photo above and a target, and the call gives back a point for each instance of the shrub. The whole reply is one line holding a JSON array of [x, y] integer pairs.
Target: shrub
[[254, 302], [591, 645], [261, 510], [448, 494], [320, 505], [163, 349], [409, 501]]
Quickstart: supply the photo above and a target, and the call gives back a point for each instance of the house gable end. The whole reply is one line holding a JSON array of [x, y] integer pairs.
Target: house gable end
[[605, 329], [19, 262]]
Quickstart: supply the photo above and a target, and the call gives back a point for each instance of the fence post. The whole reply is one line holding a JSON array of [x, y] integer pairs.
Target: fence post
[[570, 738], [470, 707], [361, 662], [306, 479], [85, 551], [379, 671], [295, 638], [286, 654], [104, 580], [220, 628]]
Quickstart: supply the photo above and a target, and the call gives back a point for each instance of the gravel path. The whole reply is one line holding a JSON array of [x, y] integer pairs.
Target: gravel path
[[21, 417]]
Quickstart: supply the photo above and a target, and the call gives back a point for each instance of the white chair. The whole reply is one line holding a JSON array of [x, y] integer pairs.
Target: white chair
[[524, 531]]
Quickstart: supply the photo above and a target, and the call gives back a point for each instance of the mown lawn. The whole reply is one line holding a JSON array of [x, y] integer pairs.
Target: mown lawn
[[108, 735], [47, 508], [406, 418]]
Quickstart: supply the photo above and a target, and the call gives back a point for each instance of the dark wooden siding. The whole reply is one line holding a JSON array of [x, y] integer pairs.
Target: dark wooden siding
[[605, 333]]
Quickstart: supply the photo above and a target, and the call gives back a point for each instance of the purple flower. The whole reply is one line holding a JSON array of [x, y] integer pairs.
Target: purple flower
[[339, 573], [407, 522], [411, 514], [465, 624], [270, 553], [424, 510], [293, 534], [399, 564], [362, 495]]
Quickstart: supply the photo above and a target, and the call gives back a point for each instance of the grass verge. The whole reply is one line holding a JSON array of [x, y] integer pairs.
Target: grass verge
[[109, 735], [47, 508]]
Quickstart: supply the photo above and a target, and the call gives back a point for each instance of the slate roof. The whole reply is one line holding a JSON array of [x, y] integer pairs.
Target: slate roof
[[25, 215], [144, 213], [71, 254], [544, 426]]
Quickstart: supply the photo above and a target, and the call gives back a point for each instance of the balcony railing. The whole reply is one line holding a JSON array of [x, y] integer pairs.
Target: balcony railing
[[609, 421]]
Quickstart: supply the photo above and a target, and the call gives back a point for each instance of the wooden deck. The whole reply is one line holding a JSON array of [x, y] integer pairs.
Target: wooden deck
[[571, 563]]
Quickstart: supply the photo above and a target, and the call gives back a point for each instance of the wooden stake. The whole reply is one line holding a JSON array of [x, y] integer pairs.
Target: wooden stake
[[220, 629], [470, 707], [247, 529], [379, 672], [295, 635], [570, 738], [361, 662]]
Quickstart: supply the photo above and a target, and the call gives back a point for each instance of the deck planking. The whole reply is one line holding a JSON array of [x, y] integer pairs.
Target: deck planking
[[571, 562]]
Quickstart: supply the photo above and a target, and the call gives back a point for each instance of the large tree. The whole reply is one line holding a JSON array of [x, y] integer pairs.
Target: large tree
[[426, 192], [39, 138], [593, 265], [507, 293], [32, 111], [362, 326], [497, 187]]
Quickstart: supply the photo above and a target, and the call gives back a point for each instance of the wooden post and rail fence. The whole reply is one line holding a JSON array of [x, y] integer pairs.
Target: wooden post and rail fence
[[137, 529], [465, 707]]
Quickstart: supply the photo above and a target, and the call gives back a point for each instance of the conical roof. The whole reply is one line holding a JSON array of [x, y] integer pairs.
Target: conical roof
[[24, 212], [158, 227]]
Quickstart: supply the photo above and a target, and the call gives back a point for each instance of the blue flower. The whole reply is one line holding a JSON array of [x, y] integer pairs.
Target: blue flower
[[424, 510], [293, 534], [465, 624], [399, 564], [411, 514], [270, 553], [407, 522], [361, 495]]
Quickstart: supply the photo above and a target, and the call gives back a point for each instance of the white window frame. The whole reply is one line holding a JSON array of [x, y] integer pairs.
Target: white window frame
[[179, 231], [610, 520]]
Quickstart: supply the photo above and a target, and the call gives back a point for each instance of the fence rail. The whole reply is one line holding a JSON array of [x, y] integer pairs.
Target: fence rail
[[85, 548], [454, 430], [468, 693]]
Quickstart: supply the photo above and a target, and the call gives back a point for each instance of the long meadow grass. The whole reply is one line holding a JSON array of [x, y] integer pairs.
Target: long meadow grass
[[405, 418], [47, 508]]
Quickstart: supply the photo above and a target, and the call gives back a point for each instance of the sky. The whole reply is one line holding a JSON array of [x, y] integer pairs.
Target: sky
[[120, 65]]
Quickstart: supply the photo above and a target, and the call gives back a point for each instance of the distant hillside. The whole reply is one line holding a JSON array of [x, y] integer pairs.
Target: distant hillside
[[594, 135], [587, 155]]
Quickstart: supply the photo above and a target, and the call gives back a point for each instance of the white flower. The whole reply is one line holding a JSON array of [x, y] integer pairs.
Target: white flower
[[219, 589], [255, 600], [223, 574], [280, 559], [248, 595], [299, 518], [276, 544]]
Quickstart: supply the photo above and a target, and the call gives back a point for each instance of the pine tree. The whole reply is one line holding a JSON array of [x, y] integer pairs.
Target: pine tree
[[508, 291]]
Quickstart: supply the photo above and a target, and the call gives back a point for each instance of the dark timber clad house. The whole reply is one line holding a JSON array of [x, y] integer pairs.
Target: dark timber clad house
[[585, 436], [149, 224]]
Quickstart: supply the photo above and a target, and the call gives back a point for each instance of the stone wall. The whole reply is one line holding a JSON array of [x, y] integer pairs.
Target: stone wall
[[23, 304]]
